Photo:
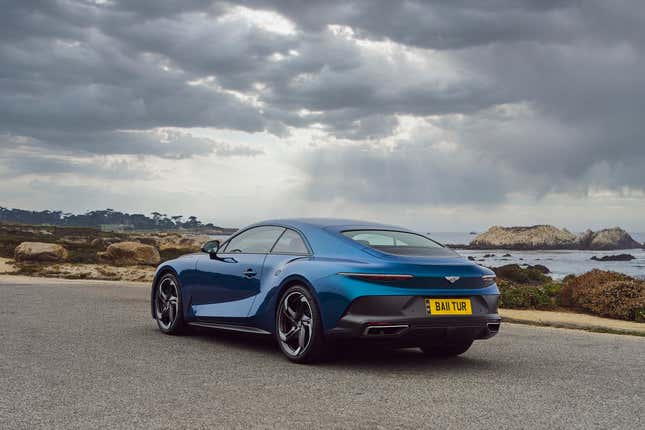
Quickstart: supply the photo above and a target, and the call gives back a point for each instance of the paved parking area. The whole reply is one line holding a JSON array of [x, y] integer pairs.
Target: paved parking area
[[87, 355]]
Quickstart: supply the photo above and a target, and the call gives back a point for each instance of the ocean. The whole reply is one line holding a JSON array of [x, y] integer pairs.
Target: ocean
[[560, 263]]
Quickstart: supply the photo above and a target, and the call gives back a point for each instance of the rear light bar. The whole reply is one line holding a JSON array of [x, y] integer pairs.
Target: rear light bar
[[489, 280], [377, 276]]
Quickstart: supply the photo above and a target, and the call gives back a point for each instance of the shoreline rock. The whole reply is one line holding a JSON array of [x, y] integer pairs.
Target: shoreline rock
[[548, 237], [182, 243], [617, 257], [130, 254]]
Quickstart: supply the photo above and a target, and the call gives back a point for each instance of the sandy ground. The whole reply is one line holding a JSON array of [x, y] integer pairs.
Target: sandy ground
[[85, 271], [24, 280], [6, 266], [572, 320]]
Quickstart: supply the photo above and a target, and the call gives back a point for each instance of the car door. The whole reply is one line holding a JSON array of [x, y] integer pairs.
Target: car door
[[290, 247], [226, 286]]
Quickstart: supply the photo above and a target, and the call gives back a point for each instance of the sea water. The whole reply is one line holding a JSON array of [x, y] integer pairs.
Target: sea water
[[560, 263]]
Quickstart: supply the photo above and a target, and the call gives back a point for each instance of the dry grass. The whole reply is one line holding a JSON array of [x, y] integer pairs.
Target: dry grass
[[607, 294]]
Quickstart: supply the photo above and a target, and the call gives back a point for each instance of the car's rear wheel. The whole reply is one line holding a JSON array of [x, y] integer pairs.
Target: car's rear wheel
[[446, 349], [168, 308], [299, 326]]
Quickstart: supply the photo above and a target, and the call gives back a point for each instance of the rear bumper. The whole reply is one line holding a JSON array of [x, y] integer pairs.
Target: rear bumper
[[405, 318]]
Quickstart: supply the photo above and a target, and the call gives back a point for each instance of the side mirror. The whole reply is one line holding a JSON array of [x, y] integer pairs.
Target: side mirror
[[211, 247]]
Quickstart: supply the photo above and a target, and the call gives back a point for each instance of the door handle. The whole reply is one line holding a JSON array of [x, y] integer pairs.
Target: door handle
[[249, 273]]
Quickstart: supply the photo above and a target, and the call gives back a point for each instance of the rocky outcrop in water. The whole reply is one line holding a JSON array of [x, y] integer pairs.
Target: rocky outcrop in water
[[550, 237], [609, 238], [534, 237], [618, 257]]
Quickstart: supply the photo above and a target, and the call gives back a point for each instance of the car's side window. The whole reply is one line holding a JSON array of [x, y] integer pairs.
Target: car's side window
[[290, 243], [257, 240]]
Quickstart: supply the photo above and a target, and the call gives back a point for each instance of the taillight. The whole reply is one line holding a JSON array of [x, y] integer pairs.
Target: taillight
[[489, 280], [377, 276]]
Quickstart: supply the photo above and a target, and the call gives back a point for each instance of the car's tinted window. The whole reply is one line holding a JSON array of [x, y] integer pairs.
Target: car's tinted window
[[256, 240], [290, 243], [398, 242]]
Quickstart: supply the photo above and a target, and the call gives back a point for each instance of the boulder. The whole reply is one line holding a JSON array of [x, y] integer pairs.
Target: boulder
[[73, 240], [146, 239], [39, 251], [130, 254], [540, 267], [534, 237], [617, 257], [185, 244], [609, 238], [104, 241]]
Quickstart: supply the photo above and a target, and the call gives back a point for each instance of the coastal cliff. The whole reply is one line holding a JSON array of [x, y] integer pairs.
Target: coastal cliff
[[550, 237]]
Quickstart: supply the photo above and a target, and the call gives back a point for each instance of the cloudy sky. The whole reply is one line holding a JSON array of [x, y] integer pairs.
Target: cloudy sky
[[443, 116]]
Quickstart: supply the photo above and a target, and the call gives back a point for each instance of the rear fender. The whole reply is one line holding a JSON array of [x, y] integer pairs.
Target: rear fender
[[265, 314]]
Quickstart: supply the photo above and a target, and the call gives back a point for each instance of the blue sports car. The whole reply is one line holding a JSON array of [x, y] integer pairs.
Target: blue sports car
[[311, 282]]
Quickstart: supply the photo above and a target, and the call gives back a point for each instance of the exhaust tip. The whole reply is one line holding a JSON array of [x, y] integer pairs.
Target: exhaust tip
[[493, 327], [385, 330]]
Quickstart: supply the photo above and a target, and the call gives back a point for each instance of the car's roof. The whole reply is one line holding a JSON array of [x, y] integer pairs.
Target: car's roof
[[340, 223]]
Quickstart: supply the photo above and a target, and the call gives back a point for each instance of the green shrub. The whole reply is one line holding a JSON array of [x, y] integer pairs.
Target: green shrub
[[602, 293], [552, 288], [528, 296], [518, 275]]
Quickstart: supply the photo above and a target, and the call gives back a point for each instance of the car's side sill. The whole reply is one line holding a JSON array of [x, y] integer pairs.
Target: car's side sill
[[230, 327]]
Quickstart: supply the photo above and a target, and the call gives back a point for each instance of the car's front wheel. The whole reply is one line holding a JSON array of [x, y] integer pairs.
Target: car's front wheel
[[299, 326], [168, 308], [446, 349]]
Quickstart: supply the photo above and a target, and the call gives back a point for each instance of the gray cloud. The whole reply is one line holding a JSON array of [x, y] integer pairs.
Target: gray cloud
[[461, 24], [482, 159], [406, 174], [159, 143], [15, 165], [531, 97], [105, 68]]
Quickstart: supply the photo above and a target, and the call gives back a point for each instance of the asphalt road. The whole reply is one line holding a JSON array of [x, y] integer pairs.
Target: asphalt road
[[83, 355]]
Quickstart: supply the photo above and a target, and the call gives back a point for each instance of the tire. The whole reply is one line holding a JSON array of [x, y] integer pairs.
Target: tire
[[168, 307], [298, 326], [446, 350]]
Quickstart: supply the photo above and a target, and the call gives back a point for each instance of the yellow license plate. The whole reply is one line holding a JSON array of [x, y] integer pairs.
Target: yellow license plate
[[448, 307]]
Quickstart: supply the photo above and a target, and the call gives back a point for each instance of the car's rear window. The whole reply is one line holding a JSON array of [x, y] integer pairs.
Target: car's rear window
[[399, 242]]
